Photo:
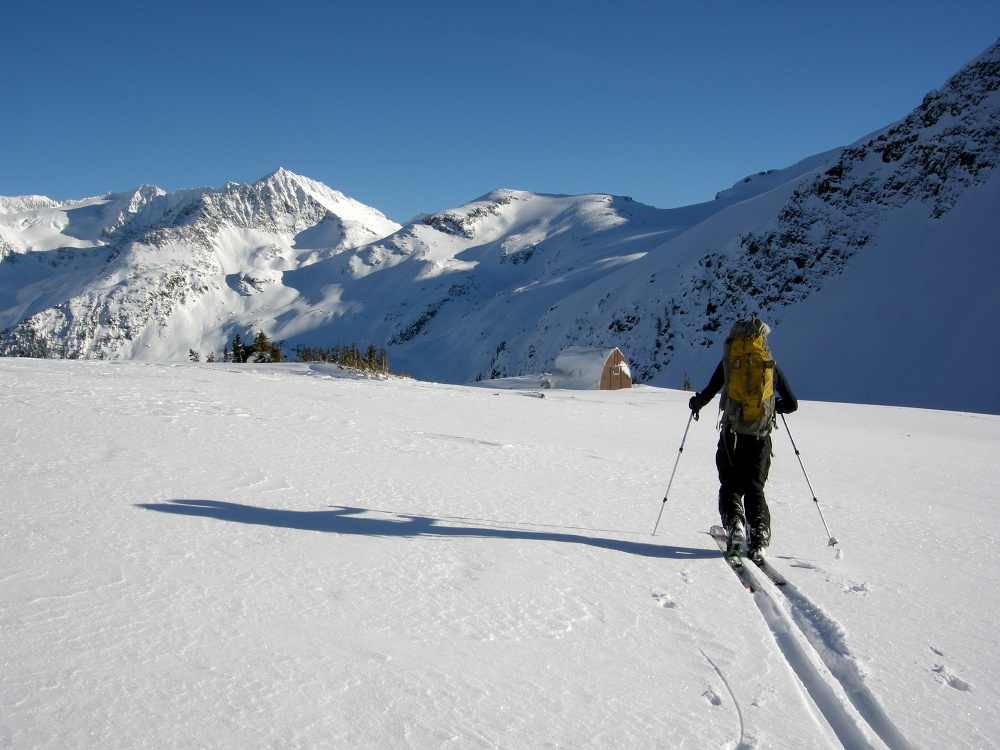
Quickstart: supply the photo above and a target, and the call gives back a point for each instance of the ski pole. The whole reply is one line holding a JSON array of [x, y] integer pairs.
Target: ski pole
[[667, 493], [833, 540]]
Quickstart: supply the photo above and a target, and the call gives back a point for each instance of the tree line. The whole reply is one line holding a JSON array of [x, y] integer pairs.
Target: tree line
[[262, 349], [347, 355]]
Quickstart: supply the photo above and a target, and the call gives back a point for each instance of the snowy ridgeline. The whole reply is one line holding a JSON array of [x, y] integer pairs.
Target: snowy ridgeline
[[854, 252], [285, 555]]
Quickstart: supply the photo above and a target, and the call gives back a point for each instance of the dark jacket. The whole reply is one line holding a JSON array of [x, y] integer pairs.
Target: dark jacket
[[784, 400]]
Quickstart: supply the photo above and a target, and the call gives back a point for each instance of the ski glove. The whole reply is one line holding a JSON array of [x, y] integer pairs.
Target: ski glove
[[695, 405]]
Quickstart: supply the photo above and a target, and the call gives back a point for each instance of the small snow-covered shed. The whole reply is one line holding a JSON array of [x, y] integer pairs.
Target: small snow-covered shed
[[586, 368]]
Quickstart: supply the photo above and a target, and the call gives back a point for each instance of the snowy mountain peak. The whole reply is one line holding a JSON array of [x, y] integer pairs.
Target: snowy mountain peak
[[864, 239], [24, 203], [284, 194], [288, 185], [104, 277]]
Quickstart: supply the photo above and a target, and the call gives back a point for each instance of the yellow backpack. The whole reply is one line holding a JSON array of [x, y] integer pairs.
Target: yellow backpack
[[748, 399]]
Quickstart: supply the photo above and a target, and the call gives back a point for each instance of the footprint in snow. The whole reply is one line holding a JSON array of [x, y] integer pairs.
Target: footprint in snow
[[945, 677], [664, 600]]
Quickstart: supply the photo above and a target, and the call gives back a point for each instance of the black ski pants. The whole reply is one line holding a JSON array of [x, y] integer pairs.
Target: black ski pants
[[743, 462]]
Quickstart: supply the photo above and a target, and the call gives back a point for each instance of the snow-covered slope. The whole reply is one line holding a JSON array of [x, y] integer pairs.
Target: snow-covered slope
[[874, 264], [149, 275], [235, 556]]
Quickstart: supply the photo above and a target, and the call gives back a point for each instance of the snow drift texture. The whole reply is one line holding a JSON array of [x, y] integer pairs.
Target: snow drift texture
[[875, 264], [282, 556]]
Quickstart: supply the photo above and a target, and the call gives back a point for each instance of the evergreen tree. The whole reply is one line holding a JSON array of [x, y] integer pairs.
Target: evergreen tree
[[261, 347], [264, 350], [239, 350]]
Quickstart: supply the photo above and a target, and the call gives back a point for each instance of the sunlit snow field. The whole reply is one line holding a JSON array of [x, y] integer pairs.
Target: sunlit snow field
[[240, 556]]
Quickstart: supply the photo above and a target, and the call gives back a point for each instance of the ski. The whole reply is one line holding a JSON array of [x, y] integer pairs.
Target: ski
[[765, 567], [735, 563]]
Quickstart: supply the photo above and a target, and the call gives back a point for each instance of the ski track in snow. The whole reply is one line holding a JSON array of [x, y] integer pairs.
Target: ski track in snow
[[828, 641], [740, 743]]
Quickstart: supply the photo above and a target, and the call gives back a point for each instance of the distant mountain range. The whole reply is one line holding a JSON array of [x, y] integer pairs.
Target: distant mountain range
[[876, 265]]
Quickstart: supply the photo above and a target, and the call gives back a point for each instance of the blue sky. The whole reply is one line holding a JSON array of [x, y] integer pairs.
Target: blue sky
[[422, 106]]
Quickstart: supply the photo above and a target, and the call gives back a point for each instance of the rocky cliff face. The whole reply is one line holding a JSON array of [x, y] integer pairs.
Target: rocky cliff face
[[947, 145]]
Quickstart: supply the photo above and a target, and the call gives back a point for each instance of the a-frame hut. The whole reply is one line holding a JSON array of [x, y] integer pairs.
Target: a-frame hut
[[586, 368]]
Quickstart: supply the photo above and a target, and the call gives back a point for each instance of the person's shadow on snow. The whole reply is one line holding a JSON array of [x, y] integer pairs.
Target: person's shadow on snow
[[344, 520]]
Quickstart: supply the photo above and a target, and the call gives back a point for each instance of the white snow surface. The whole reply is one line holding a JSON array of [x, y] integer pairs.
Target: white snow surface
[[239, 556]]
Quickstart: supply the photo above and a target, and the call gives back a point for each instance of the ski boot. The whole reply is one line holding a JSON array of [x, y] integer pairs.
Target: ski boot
[[760, 537], [736, 538]]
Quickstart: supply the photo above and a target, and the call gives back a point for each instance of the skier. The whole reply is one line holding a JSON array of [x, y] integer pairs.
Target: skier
[[743, 456]]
